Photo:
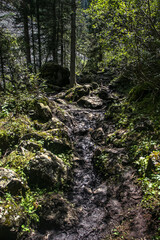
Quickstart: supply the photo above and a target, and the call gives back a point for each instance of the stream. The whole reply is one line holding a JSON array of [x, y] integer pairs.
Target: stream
[[88, 192], [101, 205]]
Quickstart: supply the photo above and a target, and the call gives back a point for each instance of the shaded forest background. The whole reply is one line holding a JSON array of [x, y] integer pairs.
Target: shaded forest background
[[122, 35]]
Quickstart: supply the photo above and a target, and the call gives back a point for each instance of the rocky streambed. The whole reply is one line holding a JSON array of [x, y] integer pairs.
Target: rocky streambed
[[87, 195], [106, 198]]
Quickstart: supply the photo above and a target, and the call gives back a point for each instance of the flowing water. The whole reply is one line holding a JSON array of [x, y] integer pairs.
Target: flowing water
[[101, 206], [88, 193]]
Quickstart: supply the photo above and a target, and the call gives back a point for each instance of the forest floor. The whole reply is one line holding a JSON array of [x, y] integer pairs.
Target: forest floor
[[108, 187]]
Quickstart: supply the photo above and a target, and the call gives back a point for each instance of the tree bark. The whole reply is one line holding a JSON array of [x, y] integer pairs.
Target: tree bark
[[33, 44], [39, 33], [2, 71], [54, 37], [73, 44], [26, 32], [62, 32]]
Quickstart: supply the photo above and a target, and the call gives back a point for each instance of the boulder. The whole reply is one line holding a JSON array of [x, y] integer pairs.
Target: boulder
[[46, 170], [10, 182], [55, 140], [57, 211], [55, 74], [43, 112], [90, 102], [76, 93]]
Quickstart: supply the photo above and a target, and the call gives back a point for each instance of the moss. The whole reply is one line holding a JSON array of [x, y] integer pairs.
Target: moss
[[17, 162], [12, 129], [77, 92]]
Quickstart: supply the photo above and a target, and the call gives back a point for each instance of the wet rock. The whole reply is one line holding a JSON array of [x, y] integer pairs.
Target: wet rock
[[57, 212], [55, 74], [98, 135], [10, 182], [110, 162], [90, 102], [56, 140], [114, 210], [47, 170], [100, 194], [11, 218], [59, 142]]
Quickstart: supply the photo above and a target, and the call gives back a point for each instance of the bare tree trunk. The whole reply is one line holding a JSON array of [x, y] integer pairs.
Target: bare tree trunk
[[62, 32], [26, 32], [2, 71], [33, 44], [54, 37], [73, 44], [39, 33]]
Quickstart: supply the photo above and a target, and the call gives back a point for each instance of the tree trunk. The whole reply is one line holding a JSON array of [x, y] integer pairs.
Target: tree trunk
[[33, 44], [54, 37], [2, 71], [73, 44], [62, 32], [26, 33], [39, 33]]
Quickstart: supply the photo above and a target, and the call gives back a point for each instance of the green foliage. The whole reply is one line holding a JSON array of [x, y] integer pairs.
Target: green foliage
[[17, 161], [126, 33], [20, 209], [12, 129], [66, 157]]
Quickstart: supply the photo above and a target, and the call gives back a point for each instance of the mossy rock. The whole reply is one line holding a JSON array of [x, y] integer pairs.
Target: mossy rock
[[44, 112], [90, 102], [12, 129], [77, 92], [57, 211], [55, 74], [46, 170], [10, 182]]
